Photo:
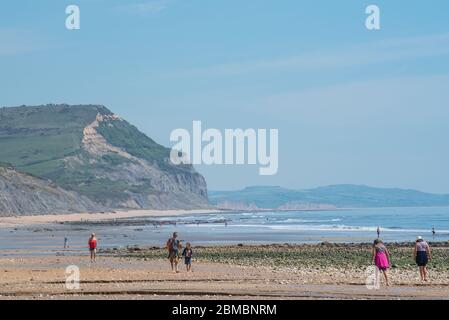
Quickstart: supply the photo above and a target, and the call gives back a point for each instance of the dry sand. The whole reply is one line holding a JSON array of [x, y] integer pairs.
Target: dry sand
[[131, 278]]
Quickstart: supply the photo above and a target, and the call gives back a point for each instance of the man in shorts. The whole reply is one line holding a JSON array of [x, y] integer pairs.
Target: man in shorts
[[173, 251]]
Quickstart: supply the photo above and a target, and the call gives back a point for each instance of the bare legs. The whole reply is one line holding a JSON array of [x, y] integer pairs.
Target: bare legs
[[386, 277], [174, 264], [93, 256], [423, 273]]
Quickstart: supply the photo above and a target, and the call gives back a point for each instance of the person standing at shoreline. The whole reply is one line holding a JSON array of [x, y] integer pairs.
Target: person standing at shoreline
[[381, 258], [93, 248], [422, 255], [378, 232], [173, 251]]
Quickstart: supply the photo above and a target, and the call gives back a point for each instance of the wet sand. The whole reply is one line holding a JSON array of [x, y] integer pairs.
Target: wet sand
[[219, 273], [18, 221]]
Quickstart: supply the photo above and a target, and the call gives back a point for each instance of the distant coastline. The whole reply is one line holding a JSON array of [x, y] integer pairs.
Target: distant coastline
[[331, 197], [12, 221]]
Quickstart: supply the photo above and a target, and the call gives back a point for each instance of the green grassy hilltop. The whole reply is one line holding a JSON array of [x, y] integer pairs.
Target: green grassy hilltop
[[118, 166]]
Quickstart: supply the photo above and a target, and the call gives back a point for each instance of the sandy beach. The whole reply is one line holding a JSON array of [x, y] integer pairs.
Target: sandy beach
[[35, 266], [87, 217], [231, 272]]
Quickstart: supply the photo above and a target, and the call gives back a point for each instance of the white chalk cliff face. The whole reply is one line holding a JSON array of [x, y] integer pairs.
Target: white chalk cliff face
[[103, 158]]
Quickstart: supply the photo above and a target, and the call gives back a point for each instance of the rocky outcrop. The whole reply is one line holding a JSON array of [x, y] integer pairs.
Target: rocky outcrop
[[23, 194]]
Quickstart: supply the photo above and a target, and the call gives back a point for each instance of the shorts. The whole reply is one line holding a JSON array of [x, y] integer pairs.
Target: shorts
[[421, 258], [173, 254], [188, 261], [94, 250]]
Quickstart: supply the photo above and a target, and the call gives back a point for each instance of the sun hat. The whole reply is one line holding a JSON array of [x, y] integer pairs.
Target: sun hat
[[418, 238]]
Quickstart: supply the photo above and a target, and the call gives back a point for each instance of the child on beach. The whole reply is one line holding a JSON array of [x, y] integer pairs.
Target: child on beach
[[93, 247], [422, 255], [187, 254], [381, 258]]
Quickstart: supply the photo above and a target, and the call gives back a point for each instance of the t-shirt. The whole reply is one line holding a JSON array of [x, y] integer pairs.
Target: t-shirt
[[187, 253], [173, 244], [421, 246], [380, 248], [92, 243]]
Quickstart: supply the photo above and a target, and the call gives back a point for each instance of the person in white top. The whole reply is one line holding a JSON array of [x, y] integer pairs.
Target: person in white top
[[422, 255]]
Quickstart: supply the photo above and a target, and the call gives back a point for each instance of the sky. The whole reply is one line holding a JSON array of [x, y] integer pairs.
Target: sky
[[352, 105]]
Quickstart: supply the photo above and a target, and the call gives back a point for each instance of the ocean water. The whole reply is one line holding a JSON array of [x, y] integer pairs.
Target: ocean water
[[343, 226], [350, 225]]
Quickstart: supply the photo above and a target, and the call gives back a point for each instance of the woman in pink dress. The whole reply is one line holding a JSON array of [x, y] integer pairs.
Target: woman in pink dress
[[381, 258]]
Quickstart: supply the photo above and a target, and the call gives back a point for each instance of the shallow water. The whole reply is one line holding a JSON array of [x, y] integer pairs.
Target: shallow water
[[355, 225]]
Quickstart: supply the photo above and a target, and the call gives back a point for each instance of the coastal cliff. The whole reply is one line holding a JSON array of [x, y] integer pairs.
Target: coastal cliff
[[92, 153]]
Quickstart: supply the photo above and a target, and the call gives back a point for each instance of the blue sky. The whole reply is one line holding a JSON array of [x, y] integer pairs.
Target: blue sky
[[351, 105]]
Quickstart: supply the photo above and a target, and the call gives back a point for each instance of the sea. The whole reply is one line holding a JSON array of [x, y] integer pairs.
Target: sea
[[293, 227]]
